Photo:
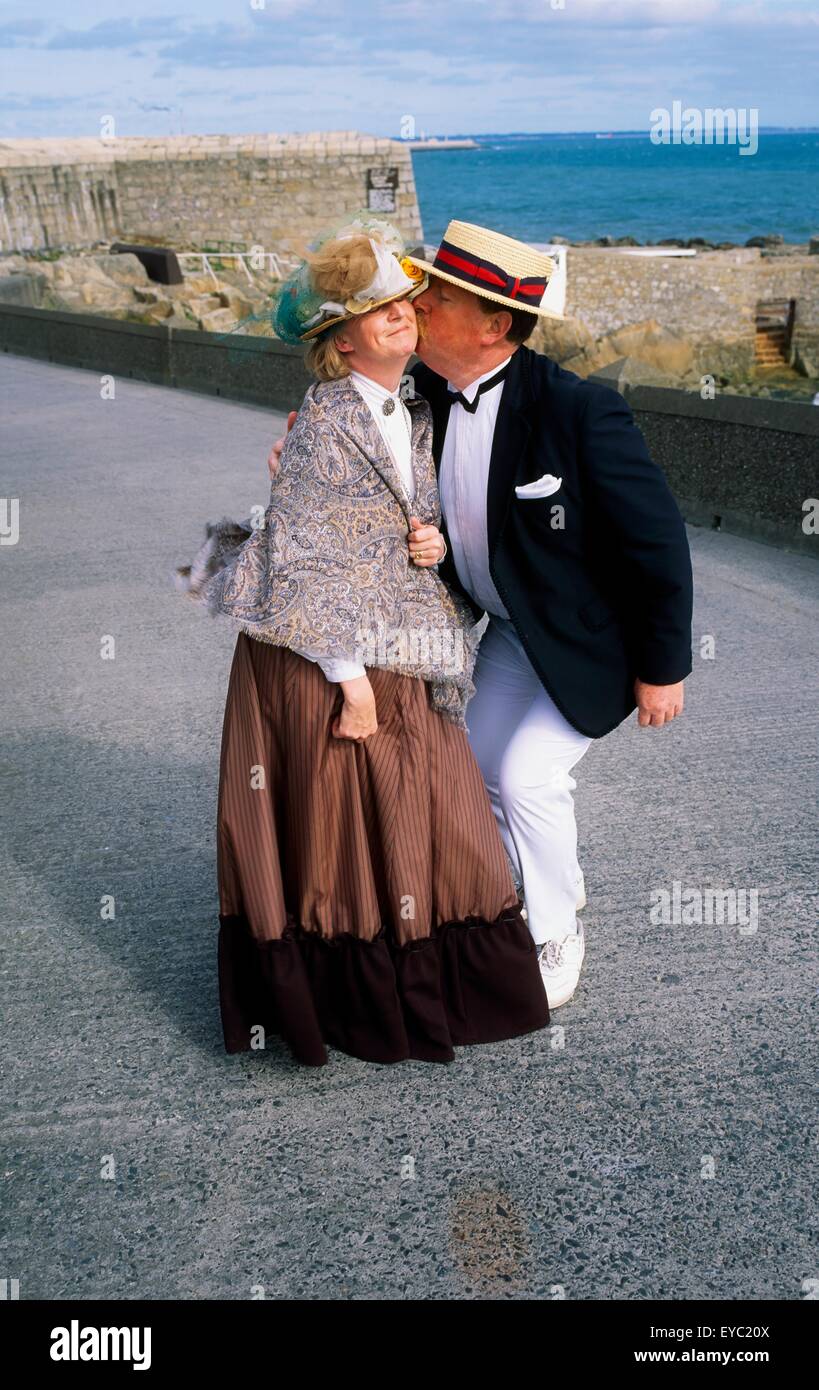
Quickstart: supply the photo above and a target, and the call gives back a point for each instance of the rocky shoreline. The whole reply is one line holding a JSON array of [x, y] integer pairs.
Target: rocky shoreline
[[770, 244], [666, 321], [118, 286]]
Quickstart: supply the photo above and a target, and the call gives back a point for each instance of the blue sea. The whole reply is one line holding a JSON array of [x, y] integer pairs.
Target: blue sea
[[580, 187]]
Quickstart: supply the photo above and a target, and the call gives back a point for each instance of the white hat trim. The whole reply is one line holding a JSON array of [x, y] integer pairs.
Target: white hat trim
[[389, 280]]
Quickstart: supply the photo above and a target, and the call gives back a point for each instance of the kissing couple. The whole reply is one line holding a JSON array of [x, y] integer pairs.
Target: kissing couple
[[465, 573]]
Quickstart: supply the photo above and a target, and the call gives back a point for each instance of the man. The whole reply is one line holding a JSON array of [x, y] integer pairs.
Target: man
[[560, 527]]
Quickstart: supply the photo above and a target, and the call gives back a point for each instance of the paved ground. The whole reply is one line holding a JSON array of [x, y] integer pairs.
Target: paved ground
[[660, 1143]]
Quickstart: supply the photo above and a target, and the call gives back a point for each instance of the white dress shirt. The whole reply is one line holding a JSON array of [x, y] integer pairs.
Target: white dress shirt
[[396, 431], [463, 481]]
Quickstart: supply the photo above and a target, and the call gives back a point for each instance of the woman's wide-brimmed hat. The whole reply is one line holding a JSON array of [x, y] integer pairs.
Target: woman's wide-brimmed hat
[[303, 311], [493, 266]]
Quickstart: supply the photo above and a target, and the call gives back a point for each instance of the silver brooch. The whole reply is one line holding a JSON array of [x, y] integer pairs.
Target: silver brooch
[[389, 405]]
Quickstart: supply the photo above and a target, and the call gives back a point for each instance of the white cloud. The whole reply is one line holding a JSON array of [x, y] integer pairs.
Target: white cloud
[[459, 65]]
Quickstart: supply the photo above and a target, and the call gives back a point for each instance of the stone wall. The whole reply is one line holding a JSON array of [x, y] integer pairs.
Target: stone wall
[[709, 299], [733, 464], [190, 190], [745, 466]]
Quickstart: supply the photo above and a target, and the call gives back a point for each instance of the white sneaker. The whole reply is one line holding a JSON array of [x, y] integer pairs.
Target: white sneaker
[[560, 965]]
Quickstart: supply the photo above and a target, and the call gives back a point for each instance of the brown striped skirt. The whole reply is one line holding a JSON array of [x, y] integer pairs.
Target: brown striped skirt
[[365, 898]]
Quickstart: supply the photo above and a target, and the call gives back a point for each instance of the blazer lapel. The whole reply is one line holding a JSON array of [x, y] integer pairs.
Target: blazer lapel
[[438, 398], [512, 430]]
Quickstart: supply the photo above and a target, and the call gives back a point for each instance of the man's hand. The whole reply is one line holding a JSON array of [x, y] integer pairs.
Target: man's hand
[[658, 704], [276, 452], [426, 544]]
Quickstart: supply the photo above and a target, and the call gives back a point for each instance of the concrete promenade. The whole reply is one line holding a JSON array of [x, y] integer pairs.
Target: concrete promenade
[[659, 1142]]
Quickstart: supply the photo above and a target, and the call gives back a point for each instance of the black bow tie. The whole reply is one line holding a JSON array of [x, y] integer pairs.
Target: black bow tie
[[472, 406]]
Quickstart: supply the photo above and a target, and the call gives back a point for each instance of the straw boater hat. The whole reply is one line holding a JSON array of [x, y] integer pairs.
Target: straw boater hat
[[493, 266], [304, 310]]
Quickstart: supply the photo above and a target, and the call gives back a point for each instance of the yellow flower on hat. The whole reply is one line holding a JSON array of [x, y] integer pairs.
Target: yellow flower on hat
[[413, 271]]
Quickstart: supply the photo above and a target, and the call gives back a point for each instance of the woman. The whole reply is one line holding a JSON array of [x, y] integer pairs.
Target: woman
[[365, 896]]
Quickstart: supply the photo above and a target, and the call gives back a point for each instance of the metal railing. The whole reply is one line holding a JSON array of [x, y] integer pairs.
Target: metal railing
[[277, 265]]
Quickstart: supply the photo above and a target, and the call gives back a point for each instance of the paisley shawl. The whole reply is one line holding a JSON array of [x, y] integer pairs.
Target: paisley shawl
[[328, 569]]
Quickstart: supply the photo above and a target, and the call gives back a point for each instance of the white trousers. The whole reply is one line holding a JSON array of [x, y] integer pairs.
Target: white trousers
[[526, 749]]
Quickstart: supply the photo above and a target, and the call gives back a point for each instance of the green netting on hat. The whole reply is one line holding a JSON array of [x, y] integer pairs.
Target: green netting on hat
[[296, 302]]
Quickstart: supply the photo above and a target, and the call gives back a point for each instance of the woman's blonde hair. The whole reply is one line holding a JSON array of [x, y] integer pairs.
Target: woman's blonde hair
[[324, 360]]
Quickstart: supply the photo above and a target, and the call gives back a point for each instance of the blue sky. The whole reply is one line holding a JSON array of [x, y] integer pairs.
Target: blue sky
[[231, 66]]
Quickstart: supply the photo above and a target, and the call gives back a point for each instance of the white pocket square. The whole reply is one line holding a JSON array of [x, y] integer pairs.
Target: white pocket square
[[541, 487]]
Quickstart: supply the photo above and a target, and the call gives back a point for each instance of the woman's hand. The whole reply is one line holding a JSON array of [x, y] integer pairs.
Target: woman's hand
[[275, 455], [426, 544], [357, 719]]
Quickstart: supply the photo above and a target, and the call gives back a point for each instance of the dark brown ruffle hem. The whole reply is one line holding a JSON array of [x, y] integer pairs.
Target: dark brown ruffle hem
[[376, 1000]]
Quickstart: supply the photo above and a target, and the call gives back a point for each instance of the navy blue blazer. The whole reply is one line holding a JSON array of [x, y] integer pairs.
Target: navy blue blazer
[[600, 592]]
